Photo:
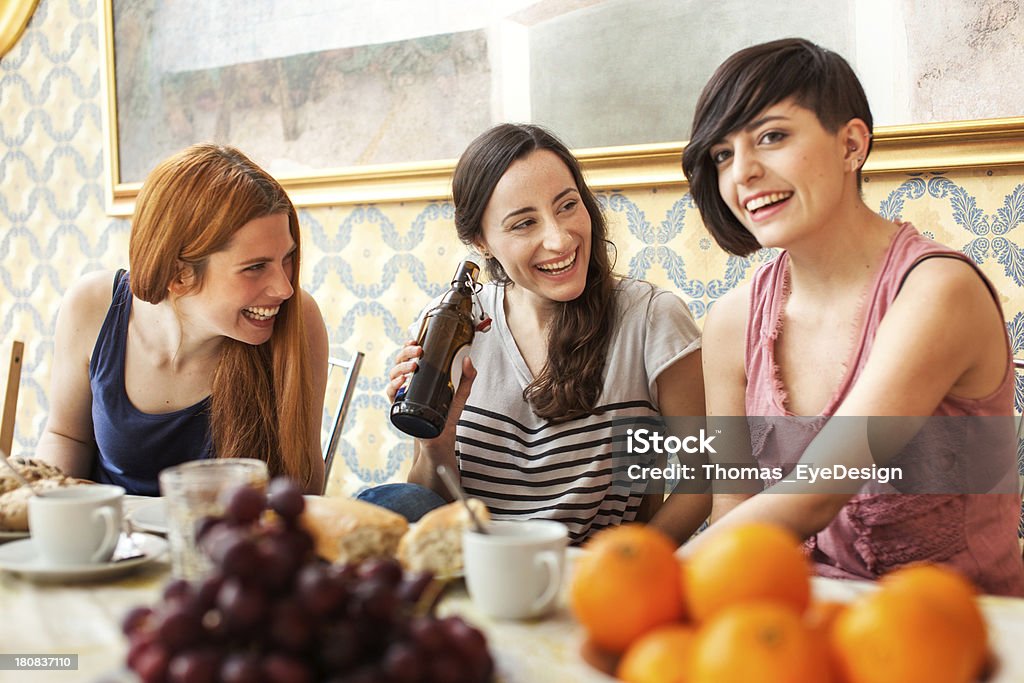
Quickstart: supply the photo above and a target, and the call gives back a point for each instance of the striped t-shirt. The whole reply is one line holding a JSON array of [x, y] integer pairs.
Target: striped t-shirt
[[523, 466]]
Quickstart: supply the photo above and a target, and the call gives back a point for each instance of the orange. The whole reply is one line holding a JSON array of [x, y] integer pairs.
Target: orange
[[659, 656], [625, 585], [752, 562], [949, 591], [820, 618], [758, 641], [893, 636]]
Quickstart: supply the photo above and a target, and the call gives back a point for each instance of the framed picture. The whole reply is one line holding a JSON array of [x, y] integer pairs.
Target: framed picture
[[351, 102]]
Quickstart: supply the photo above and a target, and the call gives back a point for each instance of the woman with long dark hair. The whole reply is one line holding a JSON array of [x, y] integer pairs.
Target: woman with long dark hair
[[575, 353]]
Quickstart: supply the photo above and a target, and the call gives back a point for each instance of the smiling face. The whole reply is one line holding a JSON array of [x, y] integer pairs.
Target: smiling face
[[246, 283], [538, 229], [784, 176]]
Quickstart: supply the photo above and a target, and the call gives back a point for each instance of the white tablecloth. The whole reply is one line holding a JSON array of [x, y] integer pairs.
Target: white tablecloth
[[85, 620]]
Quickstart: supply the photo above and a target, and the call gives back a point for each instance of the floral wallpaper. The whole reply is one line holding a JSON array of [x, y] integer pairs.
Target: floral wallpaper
[[371, 267]]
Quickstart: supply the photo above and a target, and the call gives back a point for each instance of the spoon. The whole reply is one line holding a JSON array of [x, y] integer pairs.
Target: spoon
[[456, 490], [17, 475]]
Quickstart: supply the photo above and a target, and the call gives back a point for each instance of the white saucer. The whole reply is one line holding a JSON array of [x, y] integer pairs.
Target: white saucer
[[12, 536], [20, 557], [150, 516]]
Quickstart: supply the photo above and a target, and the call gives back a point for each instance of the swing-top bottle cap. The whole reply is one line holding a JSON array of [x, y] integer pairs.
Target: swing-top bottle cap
[[467, 270]]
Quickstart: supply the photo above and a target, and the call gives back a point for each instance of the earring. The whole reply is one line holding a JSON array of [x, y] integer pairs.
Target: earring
[[486, 254]]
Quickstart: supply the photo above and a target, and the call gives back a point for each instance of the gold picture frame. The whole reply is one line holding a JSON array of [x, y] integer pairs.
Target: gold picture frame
[[14, 18], [945, 146]]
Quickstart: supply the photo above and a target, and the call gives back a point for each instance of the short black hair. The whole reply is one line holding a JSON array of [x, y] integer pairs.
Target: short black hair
[[746, 84]]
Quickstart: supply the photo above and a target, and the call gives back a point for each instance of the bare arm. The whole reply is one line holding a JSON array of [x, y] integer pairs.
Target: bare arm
[[68, 440], [681, 395], [942, 335], [316, 335]]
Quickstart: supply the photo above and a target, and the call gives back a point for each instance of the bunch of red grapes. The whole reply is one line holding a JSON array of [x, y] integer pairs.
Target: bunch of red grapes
[[272, 612]]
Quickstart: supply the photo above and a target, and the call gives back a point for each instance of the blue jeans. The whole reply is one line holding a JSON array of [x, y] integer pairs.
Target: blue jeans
[[412, 501]]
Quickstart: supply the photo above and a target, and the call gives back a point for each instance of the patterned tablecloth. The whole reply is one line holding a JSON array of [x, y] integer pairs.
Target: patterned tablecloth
[[84, 619]]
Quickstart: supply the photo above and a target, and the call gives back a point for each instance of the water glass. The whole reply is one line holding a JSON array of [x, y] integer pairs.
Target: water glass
[[198, 489]]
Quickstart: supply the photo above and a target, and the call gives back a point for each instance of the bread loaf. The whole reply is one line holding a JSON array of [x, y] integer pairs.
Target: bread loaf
[[347, 530], [435, 542], [32, 469]]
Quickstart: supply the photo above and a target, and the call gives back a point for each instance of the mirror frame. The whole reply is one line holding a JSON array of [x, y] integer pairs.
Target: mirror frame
[[14, 18], [916, 148]]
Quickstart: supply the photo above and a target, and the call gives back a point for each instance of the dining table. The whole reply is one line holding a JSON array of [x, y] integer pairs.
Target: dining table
[[84, 618]]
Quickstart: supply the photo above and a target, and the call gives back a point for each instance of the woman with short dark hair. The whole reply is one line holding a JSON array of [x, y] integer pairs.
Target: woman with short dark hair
[[859, 317]]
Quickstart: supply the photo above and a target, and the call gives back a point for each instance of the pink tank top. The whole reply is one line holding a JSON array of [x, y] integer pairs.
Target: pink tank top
[[877, 532]]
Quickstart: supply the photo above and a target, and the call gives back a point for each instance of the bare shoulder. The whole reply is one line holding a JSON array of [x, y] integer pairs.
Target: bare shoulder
[[85, 303], [727, 318], [947, 288], [946, 275], [311, 314]]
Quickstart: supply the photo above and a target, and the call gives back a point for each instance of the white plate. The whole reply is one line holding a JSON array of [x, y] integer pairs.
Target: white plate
[[20, 557], [150, 516]]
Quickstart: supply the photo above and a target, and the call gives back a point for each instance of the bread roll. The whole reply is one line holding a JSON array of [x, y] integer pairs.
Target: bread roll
[[347, 530], [435, 542], [14, 504]]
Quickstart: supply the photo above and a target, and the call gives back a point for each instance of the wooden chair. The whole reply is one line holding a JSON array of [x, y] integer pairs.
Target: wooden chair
[[349, 373], [11, 397]]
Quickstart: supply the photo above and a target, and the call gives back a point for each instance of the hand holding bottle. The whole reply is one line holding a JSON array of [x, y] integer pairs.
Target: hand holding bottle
[[405, 364]]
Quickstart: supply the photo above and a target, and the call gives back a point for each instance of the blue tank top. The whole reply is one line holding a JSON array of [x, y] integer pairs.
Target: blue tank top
[[132, 446]]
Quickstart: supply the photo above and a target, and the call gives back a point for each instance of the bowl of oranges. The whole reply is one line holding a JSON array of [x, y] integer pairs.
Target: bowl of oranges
[[740, 608]]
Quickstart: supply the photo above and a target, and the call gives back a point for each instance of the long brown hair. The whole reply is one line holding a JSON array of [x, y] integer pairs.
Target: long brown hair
[[746, 84], [572, 379], [190, 207]]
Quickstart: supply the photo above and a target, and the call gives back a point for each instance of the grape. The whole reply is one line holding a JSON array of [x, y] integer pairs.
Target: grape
[[135, 619], [341, 646], [241, 668], [270, 611], [290, 626], [413, 586], [374, 599], [428, 634], [284, 669], [402, 663], [242, 607], [209, 587], [195, 666], [204, 525], [179, 628], [244, 505], [285, 498], [383, 569], [445, 668], [320, 592], [177, 589], [277, 570], [238, 556], [138, 643], [151, 665]]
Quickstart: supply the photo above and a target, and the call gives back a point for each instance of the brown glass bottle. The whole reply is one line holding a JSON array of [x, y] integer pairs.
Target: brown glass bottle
[[421, 406]]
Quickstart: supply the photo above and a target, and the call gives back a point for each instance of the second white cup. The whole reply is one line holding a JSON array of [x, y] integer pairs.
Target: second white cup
[[515, 570], [76, 525]]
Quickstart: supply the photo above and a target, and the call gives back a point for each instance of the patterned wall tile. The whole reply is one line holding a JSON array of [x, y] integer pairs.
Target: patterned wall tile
[[371, 268]]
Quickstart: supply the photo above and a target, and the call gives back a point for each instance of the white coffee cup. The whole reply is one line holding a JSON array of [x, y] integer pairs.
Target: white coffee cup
[[76, 525], [515, 570]]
